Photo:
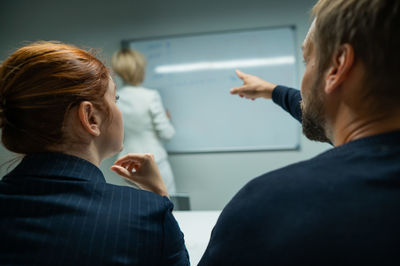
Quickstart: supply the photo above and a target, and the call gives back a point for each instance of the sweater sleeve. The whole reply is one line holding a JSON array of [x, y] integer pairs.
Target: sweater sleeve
[[289, 99]]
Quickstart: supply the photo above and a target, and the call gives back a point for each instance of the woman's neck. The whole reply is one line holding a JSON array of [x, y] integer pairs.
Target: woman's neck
[[88, 153]]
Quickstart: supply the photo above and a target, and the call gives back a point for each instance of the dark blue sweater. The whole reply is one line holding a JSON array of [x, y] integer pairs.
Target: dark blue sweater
[[340, 208]]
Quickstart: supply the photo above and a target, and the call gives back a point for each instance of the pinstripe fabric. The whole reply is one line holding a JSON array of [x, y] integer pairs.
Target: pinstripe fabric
[[57, 209]]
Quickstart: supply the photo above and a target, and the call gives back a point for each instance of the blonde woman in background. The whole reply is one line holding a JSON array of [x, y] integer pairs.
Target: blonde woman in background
[[147, 123]]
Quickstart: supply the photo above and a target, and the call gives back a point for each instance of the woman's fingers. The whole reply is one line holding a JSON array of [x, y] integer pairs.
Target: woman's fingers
[[142, 170], [124, 164], [121, 171], [132, 166], [126, 159], [129, 167], [132, 163], [134, 157]]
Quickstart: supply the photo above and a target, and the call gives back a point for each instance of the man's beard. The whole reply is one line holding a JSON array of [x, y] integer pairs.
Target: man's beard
[[313, 116]]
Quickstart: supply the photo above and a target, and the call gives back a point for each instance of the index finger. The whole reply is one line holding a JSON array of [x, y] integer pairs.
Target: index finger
[[240, 74]]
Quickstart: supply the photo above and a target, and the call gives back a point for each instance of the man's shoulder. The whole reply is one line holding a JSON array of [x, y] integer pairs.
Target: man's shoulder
[[292, 183], [300, 172]]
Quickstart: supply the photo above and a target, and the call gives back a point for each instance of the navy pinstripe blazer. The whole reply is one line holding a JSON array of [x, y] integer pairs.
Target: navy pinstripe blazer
[[57, 209]]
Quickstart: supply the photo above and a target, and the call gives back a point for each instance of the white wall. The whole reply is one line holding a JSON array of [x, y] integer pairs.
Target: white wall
[[210, 179]]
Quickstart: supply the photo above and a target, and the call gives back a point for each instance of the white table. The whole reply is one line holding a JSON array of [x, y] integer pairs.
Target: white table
[[197, 227]]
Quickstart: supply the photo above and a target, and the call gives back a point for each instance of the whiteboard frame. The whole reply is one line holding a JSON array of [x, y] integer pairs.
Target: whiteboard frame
[[125, 43]]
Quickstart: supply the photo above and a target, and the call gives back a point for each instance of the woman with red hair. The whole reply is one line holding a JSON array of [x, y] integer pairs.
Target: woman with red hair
[[58, 109]]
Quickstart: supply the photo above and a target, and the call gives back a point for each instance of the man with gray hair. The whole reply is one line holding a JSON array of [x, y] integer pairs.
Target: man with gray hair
[[341, 207]]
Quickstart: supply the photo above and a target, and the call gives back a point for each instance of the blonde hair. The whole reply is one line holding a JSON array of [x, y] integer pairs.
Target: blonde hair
[[130, 65], [371, 28]]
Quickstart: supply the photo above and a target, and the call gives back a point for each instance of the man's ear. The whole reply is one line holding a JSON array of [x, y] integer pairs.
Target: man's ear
[[89, 118], [342, 63]]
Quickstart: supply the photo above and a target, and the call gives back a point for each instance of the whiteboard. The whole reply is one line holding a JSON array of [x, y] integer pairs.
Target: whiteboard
[[194, 74]]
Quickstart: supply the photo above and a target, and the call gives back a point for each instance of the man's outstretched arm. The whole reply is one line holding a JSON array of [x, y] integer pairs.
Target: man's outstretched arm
[[254, 87]]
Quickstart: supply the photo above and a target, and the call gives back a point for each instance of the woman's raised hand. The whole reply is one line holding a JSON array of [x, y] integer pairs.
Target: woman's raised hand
[[142, 170]]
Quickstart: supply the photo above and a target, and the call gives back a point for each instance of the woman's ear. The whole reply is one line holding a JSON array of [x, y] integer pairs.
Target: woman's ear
[[90, 118], [342, 64]]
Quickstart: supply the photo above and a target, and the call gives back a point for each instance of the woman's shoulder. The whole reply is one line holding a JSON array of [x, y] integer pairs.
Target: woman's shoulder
[[150, 91], [146, 196]]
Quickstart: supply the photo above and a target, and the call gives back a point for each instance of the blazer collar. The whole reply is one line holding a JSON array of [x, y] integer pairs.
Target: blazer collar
[[57, 165]]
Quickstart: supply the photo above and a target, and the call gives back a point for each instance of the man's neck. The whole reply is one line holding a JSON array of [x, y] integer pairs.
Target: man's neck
[[351, 126]]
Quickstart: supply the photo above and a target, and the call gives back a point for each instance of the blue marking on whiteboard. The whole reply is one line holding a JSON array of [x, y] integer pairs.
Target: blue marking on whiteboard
[[152, 46], [153, 56]]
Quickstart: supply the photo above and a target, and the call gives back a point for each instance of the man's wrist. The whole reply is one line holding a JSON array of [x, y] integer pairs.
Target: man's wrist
[[268, 89]]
